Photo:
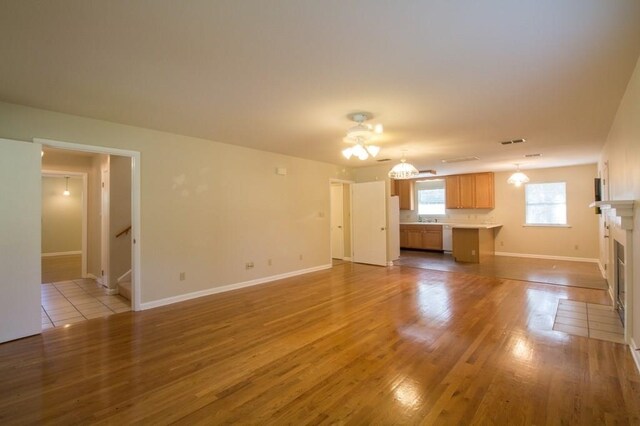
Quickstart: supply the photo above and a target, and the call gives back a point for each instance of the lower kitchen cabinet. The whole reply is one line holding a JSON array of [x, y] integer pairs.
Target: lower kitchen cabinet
[[426, 237]]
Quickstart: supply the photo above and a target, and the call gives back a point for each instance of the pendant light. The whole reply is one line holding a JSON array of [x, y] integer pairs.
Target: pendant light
[[66, 192], [403, 170], [518, 178]]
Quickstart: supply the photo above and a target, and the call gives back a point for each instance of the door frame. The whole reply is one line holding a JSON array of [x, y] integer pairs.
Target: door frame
[[347, 182], [63, 173], [136, 265]]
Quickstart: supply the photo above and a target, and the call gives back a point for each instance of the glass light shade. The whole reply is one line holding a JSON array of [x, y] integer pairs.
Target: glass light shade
[[373, 150], [347, 152], [358, 150], [403, 170], [518, 178], [66, 193]]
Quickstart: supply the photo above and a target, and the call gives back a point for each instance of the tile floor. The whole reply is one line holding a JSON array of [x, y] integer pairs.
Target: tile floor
[[589, 320], [67, 302]]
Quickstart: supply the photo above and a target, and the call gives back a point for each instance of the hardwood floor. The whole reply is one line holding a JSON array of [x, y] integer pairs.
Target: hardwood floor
[[354, 344], [559, 272]]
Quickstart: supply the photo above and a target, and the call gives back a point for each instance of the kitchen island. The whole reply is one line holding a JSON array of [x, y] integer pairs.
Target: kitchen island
[[471, 242]]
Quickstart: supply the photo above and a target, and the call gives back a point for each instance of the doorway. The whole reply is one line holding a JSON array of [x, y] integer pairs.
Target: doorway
[[124, 171], [340, 202]]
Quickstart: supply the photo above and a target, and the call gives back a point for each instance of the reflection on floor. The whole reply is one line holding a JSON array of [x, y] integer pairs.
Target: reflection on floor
[[67, 302], [589, 320], [61, 268], [574, 274]]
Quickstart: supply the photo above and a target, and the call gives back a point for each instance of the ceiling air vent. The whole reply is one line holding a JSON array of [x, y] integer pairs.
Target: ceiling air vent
[[460, 159], [512, 141], [382, 160], [532, 155]]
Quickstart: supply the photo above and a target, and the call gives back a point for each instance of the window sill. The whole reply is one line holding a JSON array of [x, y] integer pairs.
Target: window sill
[[544, 225]]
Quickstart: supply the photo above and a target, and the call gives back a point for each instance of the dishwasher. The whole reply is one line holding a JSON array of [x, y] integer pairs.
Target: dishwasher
[[447, 238]]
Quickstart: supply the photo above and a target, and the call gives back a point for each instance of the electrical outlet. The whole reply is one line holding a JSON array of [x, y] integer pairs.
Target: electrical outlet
[[300, 257], [248, 265], [183, 276], [576, 247], [269, 262]]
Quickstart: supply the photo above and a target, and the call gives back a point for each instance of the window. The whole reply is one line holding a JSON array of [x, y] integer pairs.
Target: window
[[546, 203], [431, 197]]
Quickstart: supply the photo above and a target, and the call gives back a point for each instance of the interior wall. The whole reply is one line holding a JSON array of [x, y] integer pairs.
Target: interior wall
[[61, 215], [622, 153], [119, 217], [580, 240], [207, 208], [64, 161]]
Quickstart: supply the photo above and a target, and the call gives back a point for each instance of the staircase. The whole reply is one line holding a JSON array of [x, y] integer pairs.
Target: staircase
[[124, 285]]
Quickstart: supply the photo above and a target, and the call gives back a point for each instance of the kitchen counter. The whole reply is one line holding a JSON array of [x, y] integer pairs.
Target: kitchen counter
[[458, 225]]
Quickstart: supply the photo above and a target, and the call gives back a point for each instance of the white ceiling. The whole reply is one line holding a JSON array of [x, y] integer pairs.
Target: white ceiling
[[446, 78]]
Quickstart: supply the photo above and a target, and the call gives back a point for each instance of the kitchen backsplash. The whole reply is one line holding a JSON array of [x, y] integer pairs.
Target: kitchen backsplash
[[452, 216]]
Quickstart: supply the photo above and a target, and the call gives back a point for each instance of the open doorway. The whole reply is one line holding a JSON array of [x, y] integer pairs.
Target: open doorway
[[340, 201], [106, 283]]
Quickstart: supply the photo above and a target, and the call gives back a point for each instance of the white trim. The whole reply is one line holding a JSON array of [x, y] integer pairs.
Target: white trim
[[346, 259], [544, 256], [545, 225], [85, 211], [124, 277], [230, 287], [98, 279], [62, 253], [136, 285], [602, 271], [635, 352]]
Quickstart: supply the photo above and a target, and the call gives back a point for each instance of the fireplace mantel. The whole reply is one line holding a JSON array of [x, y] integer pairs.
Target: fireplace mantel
[[620, 208]]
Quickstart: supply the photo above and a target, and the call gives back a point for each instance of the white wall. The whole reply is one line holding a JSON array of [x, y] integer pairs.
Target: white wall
[[61, 215], [206, 208], [513, 237], [622, 152]]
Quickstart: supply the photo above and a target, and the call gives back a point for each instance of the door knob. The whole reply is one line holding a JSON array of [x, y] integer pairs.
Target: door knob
[[339, 227], [382, 229]]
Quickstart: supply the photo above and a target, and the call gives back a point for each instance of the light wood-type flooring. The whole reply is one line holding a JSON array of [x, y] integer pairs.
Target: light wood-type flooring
[[559, 272], [354, 344]]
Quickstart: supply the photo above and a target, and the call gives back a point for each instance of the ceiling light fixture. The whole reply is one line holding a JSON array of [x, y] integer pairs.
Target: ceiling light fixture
[[518, 178], [403, 170], [360, 135], [66, 192]]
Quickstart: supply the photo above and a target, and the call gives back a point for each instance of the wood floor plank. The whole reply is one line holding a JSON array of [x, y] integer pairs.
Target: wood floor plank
[[355, 344]]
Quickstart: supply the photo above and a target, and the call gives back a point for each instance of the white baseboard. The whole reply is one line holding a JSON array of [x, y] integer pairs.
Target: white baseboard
[[635, 353], [602, 271], [544, 256], [98, 279], [111, 291], [61, 253], [346, 259], [222, 289]]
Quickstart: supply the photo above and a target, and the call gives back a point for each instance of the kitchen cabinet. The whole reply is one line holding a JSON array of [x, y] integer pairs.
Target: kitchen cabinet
[[470, 191], [404, 189], [426, 237]]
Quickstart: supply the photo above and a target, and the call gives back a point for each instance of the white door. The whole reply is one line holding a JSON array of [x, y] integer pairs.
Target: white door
[[20, 207], [369, 221], [337, 221]]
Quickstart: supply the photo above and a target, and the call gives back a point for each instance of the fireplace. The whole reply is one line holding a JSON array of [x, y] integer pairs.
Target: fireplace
[[619, 279]]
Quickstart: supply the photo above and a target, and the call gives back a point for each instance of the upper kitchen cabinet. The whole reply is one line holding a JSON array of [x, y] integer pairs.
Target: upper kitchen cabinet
[[484, 197], [404, 189], [470, 191]]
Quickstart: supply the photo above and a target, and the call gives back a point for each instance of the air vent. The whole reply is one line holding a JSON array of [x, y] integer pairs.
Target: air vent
[[512, 141], [460, 159], [382, 160], [532, 155]]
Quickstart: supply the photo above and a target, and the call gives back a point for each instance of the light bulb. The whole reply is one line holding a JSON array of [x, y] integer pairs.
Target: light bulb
[[358, 150], [347, 152], [66, 193], [373, 150]]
